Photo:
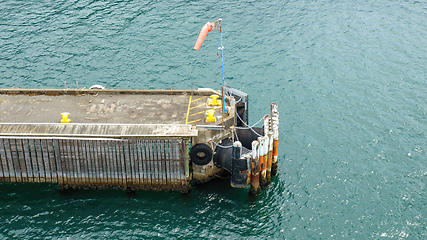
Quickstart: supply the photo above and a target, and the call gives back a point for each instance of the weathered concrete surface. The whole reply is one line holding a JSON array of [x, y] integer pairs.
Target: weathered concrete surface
[[96, 130], [105, 106]]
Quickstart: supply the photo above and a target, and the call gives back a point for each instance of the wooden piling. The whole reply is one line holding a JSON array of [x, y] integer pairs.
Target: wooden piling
[[255, 169], [275, 128]]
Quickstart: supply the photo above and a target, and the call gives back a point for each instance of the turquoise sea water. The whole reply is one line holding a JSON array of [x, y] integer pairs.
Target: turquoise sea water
[[350, 78]]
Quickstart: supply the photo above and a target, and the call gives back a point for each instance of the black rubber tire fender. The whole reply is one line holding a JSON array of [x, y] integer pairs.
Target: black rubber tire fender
[[201, 154]]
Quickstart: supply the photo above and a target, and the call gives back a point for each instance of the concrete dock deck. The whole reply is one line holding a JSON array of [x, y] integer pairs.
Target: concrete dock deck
[[137, 139], [106, 106]]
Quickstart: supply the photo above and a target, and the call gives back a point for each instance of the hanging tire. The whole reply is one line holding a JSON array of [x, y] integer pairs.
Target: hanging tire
[[201, 154]]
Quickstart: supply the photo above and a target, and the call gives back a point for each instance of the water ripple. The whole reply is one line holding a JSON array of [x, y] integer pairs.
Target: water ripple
[[349, 79]]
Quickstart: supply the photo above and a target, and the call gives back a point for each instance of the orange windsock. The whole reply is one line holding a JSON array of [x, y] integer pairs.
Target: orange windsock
[[203, 33]]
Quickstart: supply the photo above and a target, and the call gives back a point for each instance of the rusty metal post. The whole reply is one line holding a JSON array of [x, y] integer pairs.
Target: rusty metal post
[[265, 157], [263, 152], [269, 156], [275, 129], [255, 169]]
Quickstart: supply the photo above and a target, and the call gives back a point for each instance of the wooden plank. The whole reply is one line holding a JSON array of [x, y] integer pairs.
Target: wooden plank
[[72, 159], [105, 159], [93, 159], [123, 154], [181, 162], [147, 163], [153, 167], [113, 170], [87, 165], [100, 162], [158, 162], [155, 163], [161, 155], [144, 162], [146, 159], [113, 163], [135, 170], [77, 163], [116, 164], [59, 152], [94, 163], [20, 158], [39, 159], [15, 159], [168, 163], [62, 161], [45, 156], [126, 158], [9, 156], [138, 162], [140, 170], [56, 153], [110, 169], [7, 173], [176, 150], [27, 157], [66, 161], [131, 163], [171, 162], [33, 159], [5, 176], [121, 162], [163, 161]]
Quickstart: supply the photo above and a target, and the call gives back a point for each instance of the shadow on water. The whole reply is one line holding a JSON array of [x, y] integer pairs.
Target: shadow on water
[[218, 186]]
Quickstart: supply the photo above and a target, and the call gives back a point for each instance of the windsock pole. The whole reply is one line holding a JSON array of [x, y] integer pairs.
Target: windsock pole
[[214, 26], [222, 67]]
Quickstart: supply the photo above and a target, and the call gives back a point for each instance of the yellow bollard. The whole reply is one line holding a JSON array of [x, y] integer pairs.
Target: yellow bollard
[[211, 116], [65, 117], [214, 101]]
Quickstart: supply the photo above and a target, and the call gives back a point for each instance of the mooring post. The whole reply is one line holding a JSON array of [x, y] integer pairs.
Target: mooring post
[[255, 168]]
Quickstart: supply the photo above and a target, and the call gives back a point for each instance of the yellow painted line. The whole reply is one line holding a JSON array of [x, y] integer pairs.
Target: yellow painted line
[[195, 120], [204, 111], [199, 99], [197, 113], [188, 110], [204, 104]]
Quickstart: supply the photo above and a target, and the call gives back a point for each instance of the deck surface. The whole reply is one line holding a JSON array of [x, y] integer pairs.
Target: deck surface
[[106, 108]]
